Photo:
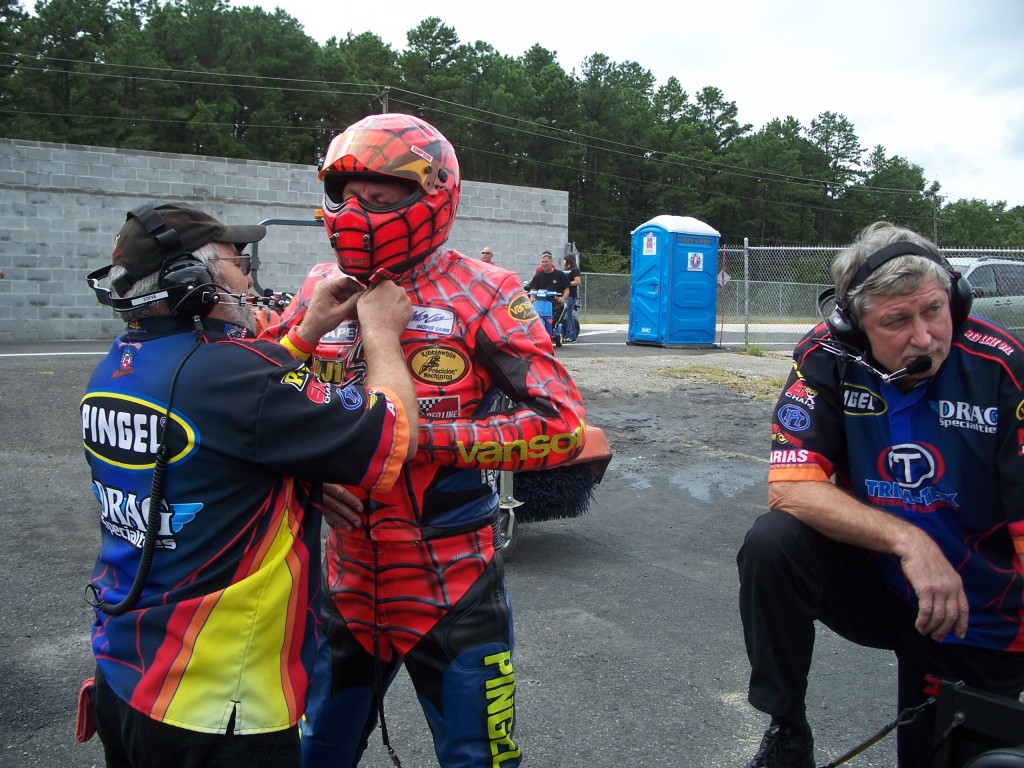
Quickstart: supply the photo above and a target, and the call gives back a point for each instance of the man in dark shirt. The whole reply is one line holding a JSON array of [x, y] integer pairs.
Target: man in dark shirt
[[550, 279]]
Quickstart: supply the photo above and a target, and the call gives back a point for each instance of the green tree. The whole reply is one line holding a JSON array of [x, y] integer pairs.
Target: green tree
[[893, 189], [762, 195], [835, 136], [66, 40], [971, 223], [616, 120], [358, 71], [12, 39]]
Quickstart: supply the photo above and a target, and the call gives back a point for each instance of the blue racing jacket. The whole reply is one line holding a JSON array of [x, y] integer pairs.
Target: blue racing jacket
[[947, 456]]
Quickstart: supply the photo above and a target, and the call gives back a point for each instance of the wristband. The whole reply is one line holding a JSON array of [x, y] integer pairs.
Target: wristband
[[298, 346]]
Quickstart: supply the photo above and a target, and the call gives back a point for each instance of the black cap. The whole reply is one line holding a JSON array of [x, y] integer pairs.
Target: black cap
[[151, 236]]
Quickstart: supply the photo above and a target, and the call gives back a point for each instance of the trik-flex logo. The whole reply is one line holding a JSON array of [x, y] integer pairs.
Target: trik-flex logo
[[909, 473]]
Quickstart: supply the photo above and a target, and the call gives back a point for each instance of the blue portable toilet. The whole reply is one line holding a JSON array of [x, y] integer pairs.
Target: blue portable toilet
[[672, 292]]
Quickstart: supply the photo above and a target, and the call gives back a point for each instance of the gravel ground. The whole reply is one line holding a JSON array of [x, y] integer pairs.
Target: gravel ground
[[762, 376]]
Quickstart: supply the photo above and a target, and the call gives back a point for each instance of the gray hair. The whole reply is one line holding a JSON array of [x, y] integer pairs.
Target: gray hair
[[207, 254], [896, 277]]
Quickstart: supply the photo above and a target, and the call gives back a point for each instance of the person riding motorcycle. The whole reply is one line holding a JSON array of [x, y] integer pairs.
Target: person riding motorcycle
[[414, 578]]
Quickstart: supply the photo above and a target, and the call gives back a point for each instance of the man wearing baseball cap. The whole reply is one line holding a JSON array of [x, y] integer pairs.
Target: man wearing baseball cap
[[208, 451]]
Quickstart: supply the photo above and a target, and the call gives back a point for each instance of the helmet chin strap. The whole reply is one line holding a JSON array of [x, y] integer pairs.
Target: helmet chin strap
[[395, 271]]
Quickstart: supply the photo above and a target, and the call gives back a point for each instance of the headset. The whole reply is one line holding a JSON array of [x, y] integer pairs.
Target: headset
[[186, 279], [844, 326], [184, 283]]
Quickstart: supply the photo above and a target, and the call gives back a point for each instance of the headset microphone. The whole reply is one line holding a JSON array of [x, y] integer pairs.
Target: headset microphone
[[918, 365]]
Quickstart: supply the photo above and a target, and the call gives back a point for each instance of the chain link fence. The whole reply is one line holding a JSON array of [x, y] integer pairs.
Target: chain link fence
[[770, 294]]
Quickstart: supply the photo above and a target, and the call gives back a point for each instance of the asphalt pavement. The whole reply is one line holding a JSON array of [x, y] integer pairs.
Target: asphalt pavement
[[629, 647]]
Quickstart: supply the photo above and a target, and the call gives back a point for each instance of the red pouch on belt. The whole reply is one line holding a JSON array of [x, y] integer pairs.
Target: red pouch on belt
[[85, 724]]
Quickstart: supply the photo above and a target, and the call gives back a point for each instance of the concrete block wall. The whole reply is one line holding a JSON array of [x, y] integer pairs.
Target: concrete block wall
[[62, 204]]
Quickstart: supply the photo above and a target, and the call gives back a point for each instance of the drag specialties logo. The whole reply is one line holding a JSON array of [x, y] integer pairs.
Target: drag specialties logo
[[907, 475], [440, 322], [521, 309], [438, 365], [960, 415], [125, 431], [861, 401], [801, 393], [296, 379], [439, 407], [537, 447], [793, 417], [344, 334], [318, 390], [125, 515]]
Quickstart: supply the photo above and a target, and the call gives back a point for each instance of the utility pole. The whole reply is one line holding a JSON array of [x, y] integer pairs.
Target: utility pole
[[383, 99]]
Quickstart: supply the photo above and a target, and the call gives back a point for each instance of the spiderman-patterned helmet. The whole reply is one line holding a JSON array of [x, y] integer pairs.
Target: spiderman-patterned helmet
[[384, 241]]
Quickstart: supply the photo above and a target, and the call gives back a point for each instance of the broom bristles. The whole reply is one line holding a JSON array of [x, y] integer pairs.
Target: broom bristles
[[552, 494]]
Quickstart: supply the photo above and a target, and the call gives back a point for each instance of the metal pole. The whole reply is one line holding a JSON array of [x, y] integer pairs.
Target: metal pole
[[746, 292]]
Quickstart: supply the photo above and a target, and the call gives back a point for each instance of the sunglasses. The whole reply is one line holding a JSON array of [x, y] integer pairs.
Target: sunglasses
[[242, 260]]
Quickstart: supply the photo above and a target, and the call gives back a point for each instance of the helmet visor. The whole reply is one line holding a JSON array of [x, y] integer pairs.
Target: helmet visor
[[382, 152]]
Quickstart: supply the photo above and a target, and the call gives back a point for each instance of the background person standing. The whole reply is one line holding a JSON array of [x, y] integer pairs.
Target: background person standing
[[571, 324]]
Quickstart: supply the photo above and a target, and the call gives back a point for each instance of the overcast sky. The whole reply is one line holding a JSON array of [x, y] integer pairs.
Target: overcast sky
[[938, 82]]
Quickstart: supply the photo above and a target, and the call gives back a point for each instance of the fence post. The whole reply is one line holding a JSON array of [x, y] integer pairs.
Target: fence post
[[746, 293]]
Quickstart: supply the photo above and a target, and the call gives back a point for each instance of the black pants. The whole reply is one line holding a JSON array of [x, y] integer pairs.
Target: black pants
[[790, 575], [132, 740]]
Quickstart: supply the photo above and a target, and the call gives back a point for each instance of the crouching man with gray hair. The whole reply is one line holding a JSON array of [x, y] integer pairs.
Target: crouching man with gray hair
[[896, 496]]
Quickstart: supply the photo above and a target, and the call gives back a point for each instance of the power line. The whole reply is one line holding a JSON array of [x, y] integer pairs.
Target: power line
[[594, 143]]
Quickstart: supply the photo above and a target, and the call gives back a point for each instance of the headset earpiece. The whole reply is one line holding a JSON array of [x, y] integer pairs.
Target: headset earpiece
[[843, 325], [185, 278]]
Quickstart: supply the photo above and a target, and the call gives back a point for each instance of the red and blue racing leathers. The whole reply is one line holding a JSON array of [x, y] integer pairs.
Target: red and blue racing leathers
[[419, 584]]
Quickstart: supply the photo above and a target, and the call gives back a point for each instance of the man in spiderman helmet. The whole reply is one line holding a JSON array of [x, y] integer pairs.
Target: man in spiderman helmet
[[412, 575]]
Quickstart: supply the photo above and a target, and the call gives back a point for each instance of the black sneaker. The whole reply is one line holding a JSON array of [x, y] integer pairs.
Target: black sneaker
[[784, 747]]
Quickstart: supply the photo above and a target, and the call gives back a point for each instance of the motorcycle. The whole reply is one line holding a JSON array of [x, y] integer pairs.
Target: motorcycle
[[544, 306]]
